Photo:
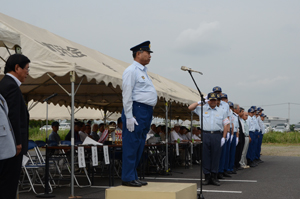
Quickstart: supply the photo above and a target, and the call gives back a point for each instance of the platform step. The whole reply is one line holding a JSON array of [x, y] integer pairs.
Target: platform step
[[154, 190]]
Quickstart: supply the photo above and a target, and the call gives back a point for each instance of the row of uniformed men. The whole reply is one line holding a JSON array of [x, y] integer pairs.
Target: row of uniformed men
[[226, 131]]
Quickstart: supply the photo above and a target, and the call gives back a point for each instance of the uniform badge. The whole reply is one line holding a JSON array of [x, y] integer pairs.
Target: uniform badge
[[143, 77], [206, 113]]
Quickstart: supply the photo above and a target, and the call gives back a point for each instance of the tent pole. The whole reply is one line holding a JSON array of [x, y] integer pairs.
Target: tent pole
[[72, 79], [167, 155], [191, 130], [105, 117]]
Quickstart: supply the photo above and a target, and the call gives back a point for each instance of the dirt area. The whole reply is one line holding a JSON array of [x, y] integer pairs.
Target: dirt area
[[280, 150]]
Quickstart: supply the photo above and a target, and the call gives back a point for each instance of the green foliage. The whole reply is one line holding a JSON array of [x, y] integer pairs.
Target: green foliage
[[39, 123], [278, 137], [36, 134]]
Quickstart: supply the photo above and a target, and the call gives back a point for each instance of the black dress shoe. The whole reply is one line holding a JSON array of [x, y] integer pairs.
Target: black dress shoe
[[260, 161], [207, 179], [220, 176], [252, 164], [214, 179], [142, 182], [225, 174], [233, 172], [132, 183]]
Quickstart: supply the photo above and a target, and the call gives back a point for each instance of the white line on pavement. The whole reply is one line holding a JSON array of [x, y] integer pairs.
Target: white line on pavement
[[219, 191], [194, 179]]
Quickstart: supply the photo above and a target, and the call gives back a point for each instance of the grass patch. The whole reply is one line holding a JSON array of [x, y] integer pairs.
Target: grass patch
[[282, 138], [36, 134]]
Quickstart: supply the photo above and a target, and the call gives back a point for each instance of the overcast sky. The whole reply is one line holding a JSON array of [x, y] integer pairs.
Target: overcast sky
[[249, 48]]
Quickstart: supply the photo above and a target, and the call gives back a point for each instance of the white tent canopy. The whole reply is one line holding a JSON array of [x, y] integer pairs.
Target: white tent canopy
[[100, 75], [8, 37], [56, 112]]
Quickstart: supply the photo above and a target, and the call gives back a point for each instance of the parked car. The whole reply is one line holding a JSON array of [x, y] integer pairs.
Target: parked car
[[281, 129], [43, 128], [64, 126], [297, 127], [268, 128]]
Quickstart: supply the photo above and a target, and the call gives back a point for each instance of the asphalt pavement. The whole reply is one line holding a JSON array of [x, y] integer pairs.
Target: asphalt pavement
[[276, 178]]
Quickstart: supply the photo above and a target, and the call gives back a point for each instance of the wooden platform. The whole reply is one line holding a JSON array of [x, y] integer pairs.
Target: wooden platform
[[154, 190]]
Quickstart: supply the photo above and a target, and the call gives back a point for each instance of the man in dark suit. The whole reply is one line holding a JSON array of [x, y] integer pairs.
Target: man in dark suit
[[240, 146], [16, 71]]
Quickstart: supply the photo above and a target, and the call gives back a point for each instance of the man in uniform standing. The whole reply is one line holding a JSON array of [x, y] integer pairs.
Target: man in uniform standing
[[225, 107], [252, 144], [139, 98], [234, 142], [214, 120], [260, 135]]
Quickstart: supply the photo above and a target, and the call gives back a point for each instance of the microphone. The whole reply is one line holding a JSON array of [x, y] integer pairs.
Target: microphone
[[184, 68], [51, 96]]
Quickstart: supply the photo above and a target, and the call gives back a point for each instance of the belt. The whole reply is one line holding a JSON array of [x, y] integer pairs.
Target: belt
[[213, 132], [247, 136]]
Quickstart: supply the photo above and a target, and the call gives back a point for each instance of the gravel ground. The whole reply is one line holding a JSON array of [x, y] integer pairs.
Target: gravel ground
[[280, 150]]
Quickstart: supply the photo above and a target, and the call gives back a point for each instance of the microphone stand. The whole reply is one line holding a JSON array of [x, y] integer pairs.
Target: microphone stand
[[200, 195]]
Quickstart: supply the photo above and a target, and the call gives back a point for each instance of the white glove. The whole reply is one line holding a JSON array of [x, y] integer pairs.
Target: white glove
[[231, 138], [228, 135], [130, 122], [199, 102], [237, 141], [222, 141]]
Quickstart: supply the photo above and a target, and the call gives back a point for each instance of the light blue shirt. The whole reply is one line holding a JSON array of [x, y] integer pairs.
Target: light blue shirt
[[235, 121], [263, 130], [251, 124], [225, 107], [138, 87], [212, 118], [257, 128], [231, 117], [260, 123]]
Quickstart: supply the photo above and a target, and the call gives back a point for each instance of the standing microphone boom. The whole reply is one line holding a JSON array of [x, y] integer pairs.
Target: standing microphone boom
[[184, 68], [53, 95]]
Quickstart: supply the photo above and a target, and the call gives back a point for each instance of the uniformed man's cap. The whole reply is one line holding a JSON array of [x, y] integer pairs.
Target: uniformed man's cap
[[262, 115], [217, 88], [250, 110], [145, 46], [55, 123], [260, 109], [254, 107], [212, 96], [224, 95], [218, 96], [230, 104]]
